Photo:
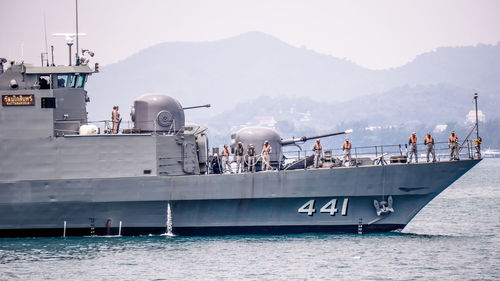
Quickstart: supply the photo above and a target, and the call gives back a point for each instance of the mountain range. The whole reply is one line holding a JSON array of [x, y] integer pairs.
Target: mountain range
[[256, 79]]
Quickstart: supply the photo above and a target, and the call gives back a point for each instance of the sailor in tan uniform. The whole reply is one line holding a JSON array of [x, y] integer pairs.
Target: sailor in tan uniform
[[115, 118]]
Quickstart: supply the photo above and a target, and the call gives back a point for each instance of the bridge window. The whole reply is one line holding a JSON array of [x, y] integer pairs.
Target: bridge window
[[62, 80], [44, 82], [72, 82], [81, 81]]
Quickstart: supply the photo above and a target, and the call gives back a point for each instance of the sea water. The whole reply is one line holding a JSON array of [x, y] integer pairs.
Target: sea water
[[455, 237]]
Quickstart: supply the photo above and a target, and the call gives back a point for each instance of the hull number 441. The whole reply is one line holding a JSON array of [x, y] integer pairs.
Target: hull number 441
[[330, 207]]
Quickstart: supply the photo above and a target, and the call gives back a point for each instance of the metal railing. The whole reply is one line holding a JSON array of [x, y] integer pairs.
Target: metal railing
[[386, 154], [106, 126]]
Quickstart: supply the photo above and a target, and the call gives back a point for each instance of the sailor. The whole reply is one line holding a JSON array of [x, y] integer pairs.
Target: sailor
[[226, 166], [238, 157], [429, 147], [317, 153], [477, 145], [251, 158], [115, 118], [266, 161], [412, 142], [453, 146], [346, 147], [216, 167]]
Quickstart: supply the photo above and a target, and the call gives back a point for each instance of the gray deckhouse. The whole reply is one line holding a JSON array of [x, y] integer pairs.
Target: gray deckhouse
[[55, 89], [42, 111]]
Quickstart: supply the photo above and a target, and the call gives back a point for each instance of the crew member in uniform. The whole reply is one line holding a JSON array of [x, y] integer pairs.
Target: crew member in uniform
[[251, 158], [226, 166], [115, 118], [238, 157], [412, 142], [266, 160], [453, 145], [477, 145], [317, 153], [429, 147], [346, 147], [216, 168]]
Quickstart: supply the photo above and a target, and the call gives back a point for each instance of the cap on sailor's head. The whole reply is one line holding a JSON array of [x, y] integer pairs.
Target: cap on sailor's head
[[266, 141], [215, 155], [413, 133]]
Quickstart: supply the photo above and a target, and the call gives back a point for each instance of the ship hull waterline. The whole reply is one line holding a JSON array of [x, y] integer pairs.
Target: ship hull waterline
[[339, 200]]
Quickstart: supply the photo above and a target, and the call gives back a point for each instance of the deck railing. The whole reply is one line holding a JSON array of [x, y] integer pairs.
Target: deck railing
[[386, 154]]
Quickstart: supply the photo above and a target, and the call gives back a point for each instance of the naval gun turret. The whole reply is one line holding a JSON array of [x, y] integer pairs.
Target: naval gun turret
[[157, 113], [258, 135], [161, 114]]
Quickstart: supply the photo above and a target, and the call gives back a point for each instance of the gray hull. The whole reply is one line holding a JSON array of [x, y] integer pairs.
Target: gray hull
[[340, 200]]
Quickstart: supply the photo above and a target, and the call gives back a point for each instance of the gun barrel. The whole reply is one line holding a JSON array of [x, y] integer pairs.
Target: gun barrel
[[302, 139], [198, 106]]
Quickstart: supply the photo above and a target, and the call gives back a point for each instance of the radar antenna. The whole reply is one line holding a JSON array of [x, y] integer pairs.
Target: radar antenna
[[69, 40]]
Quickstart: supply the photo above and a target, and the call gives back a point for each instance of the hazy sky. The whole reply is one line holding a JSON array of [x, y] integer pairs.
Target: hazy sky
[[374, 34]]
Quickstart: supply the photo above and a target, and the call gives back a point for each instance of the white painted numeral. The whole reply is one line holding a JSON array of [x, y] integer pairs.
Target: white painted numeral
[[308, 208], [330, 207], [344, 206]]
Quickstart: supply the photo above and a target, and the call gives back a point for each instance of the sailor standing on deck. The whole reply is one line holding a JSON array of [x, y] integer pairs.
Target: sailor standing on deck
[[238, 157], [346, 147], [251, 158], [115, 118], [226, 166], [477, 145], [216, 167], [429, 147], [453, 145], [266, 161], [317, 153], [412, 142]]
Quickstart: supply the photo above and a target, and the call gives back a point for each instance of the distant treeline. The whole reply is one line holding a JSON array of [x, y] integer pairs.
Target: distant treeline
[[489, 131]]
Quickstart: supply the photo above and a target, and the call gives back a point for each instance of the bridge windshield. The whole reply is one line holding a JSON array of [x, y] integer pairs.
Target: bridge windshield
[[62, 80], [81, 81], [71, 80], [44, 82]]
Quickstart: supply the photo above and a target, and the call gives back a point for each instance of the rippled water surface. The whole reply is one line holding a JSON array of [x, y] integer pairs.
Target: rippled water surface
[[454, 238]]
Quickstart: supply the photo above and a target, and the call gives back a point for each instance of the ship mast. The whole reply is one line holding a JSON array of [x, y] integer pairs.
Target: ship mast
[[477, 119], [77, 48]]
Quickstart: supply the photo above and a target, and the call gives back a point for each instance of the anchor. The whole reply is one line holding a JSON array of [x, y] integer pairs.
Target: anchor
[[383, 207]]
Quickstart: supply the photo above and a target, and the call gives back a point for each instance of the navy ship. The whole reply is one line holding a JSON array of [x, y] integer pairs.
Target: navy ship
[[60, 175]]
